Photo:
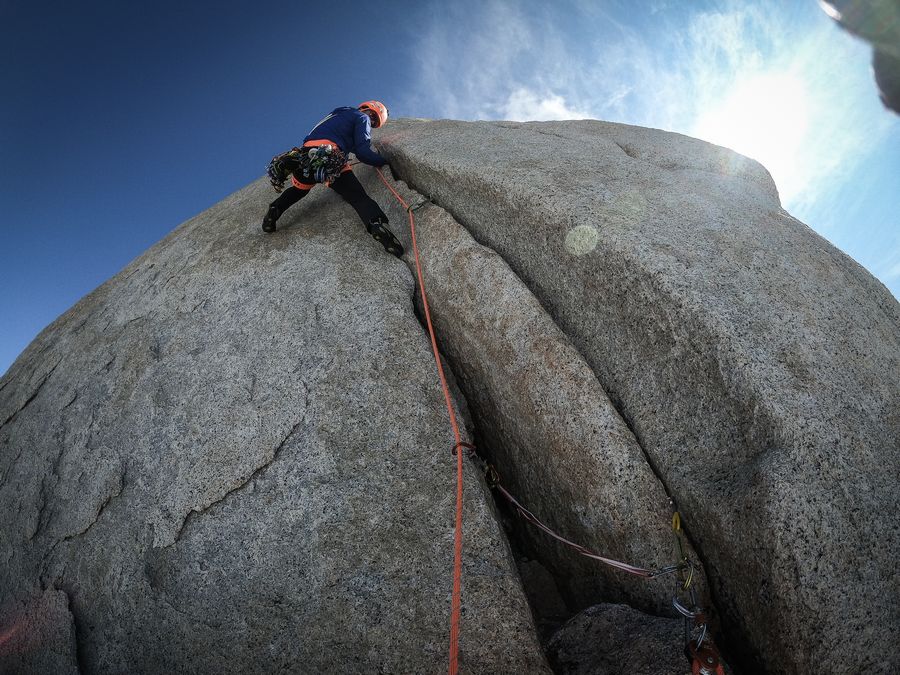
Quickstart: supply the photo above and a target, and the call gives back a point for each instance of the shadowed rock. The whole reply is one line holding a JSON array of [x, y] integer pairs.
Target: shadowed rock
[[609, 639], [234, 458], [37, 635], [756, 364]]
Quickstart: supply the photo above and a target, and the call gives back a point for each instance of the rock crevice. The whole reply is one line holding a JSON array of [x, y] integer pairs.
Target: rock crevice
[[33, 395], [193, 514], [541, 415], [730, 338]]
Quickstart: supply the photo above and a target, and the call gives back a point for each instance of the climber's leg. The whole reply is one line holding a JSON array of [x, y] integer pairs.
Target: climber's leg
[[287, 199], [375, 220], [348, 187]]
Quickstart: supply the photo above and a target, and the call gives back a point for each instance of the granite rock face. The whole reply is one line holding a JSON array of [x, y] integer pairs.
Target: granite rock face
[[756, 364], [541, 415], [233, 457]]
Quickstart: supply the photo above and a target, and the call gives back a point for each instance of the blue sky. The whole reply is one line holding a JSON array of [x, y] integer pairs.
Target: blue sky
[[120, 120]]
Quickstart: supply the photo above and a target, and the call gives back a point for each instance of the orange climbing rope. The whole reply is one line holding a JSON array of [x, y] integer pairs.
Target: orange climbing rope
[[704, 656], [457, 543]]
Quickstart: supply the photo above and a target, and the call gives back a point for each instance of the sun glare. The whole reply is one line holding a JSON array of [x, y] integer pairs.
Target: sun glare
[[764, 117]]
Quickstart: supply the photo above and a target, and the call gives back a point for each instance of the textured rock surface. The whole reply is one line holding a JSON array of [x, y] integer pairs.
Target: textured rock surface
[[541, 415], [234, 458], [611, 639], [756, 364], [37, 635], [548, 606]]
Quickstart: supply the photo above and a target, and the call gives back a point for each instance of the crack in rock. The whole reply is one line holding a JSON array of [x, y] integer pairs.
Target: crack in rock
[[555, 135], [628, 151], [106, 502], [45, 564], [74, 398], [196, 513], [200, 304], [615, 403], [77, 628], [11, 465], [33, 396], [190, 261], [194, 619]]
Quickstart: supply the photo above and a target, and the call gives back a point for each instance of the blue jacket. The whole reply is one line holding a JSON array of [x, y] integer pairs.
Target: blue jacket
[[351, 129]]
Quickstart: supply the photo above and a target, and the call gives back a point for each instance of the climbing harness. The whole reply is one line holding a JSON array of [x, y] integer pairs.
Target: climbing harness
[[318, 161], [321, 161], [700, 649]]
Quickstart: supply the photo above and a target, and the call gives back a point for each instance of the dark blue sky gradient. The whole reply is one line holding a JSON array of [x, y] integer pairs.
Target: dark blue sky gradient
[[121, 120]]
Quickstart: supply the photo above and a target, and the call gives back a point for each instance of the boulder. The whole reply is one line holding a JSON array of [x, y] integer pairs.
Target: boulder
[[541, 415], [609, 639], [756, 365], [234, 457]]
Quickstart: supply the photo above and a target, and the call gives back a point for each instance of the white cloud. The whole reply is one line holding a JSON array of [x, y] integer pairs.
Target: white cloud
[[512, 60], [469, 58], [524, 105], [494, 60]]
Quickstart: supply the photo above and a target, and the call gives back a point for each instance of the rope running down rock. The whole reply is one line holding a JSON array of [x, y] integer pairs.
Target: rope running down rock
[[704, 658]]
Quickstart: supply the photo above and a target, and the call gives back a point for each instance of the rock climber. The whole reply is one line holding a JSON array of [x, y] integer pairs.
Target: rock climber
[[323, 159]]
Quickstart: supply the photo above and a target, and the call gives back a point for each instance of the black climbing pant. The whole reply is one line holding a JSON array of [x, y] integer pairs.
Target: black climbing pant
[[348, 187]]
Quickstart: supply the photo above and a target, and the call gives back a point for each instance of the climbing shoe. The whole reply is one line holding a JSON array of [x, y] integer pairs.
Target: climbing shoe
[[268, 224], [378, 229]]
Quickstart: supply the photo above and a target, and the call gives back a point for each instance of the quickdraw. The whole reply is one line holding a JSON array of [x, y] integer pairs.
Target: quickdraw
[[699, 648], [322, 163]]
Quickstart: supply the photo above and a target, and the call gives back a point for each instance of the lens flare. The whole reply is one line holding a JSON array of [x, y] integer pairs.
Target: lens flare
[[7, 634], [582, 239]]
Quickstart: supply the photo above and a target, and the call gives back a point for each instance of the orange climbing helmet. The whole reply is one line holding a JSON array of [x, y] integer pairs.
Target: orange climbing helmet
[[377, 112]]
